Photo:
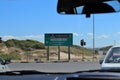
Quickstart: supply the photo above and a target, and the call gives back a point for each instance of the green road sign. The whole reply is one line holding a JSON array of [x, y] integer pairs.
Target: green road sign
[[59, 39]]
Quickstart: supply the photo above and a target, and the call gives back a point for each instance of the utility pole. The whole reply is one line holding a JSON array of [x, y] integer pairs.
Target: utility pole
[[93, 37]]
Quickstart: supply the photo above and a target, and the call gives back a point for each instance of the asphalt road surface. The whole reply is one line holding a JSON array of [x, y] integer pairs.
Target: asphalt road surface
[[55, 67]]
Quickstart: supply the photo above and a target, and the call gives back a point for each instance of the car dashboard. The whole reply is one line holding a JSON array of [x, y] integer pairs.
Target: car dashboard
[[81, 75]]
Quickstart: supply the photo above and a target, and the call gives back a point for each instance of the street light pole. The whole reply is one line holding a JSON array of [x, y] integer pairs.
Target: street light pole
[[93, 37]]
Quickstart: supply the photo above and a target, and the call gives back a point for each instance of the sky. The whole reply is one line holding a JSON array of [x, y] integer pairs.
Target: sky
[[31, 19]]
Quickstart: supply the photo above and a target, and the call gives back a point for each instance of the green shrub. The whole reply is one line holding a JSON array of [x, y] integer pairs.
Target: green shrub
[[25, 44], [12, 56]]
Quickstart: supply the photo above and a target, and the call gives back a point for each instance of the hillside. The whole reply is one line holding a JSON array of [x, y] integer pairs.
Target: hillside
[[17, 49], [24, 50], [105, 48], [24, 44]]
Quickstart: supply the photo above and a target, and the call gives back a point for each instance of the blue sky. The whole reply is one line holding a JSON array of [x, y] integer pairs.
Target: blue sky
[[31, 19]]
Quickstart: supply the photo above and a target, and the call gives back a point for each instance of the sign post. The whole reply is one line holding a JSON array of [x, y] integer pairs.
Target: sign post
[[58, 53], [68, 52], [59, 39], [48, 53]]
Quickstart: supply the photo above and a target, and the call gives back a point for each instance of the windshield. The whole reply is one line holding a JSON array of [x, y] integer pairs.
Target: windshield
[[114, 55], [33, 36]]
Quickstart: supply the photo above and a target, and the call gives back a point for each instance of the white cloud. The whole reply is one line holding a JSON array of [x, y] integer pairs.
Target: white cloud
[[76, 34], [8, 37], [103, 37], [81, 35], [90, 34], [22, 37], [33, 36], [99, 45], [118, 33], [99, 37]]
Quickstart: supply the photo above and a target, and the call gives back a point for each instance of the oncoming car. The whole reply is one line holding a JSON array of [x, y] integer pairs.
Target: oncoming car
[[112, 58], [3, 66]]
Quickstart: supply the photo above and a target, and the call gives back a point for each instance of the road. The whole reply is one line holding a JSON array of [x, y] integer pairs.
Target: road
[[55, 67]]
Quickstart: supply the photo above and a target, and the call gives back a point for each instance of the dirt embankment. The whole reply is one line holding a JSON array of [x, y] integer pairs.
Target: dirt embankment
[[64, 56]]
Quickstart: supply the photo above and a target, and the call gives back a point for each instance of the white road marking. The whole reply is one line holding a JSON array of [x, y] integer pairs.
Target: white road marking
[[56, 78]]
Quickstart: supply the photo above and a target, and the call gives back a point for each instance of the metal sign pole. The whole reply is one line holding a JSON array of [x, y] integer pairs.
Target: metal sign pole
[[69, 53], [48, 53], [58, 53], [27, 56]]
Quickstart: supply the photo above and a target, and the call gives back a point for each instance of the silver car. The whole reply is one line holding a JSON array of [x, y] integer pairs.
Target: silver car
[[112, 58], [3, 66]]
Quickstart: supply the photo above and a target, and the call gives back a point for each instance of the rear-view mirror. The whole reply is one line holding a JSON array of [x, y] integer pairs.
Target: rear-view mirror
[[87, 6]]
